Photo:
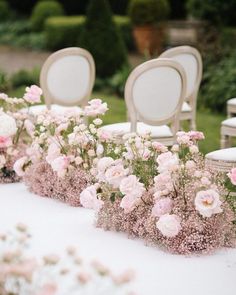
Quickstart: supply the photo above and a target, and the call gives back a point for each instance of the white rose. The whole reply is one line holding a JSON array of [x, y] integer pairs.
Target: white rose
[[169, 225], [208, 203], [7, 125], [115, 174]]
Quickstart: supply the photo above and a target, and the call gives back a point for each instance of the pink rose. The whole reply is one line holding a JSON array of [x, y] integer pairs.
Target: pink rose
[[60, 165], [208, 203], [19, 166], [96, 107], [89, 200], [5, 142], [232, 176], [162, 206], [48, 289], [33, 94], [131, 186], [196, 135], [169, 225], [54, 152], [163, 182], [115, 174], [167, 162], [128, 203]]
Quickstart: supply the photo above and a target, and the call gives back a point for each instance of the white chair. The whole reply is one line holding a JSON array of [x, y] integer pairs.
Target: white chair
[[221, 160], [154, 94], [228, 130], [191, 61], [231, 107], [67, 78]]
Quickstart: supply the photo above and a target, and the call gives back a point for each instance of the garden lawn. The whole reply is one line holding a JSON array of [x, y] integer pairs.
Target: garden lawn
[[207, 122]]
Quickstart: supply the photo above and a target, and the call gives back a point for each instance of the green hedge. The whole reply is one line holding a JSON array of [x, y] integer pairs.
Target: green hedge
[[64, 31]]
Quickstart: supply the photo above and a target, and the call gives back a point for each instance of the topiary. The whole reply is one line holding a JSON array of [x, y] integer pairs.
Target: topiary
[[101, 37], [144, 12], [4, 10], [42, 11], [215, 11]]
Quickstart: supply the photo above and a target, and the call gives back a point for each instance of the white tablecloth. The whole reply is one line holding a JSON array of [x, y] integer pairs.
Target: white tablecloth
[[54, 226]]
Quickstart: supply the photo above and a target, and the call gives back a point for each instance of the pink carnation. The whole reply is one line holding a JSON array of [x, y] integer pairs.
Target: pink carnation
[[5, 141], [33, 94], [89, 200], [232, 176], [162, 206], [208, 203], [169, 225], [96, 107]]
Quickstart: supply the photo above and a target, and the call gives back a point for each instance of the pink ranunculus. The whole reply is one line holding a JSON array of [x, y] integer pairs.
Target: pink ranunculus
[[169, 225], [163, 181], [128, 203], [48, 289], [208, 203], [19, 166], [232, 176], [131, 186], [96, 107], [54, 152], [5, 142], [89, 200], [162, 206], [115, 174], [33, 94], [167, 162], [60, 165]]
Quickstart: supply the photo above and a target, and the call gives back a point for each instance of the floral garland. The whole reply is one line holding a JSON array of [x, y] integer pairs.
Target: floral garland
[[21, 274], [167, 197], [15, 121]]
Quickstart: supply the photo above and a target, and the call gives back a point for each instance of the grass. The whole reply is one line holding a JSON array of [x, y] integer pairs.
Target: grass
[[207, 122]]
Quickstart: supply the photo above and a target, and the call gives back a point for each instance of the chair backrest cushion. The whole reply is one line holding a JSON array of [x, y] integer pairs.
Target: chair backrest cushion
[[67, 77]]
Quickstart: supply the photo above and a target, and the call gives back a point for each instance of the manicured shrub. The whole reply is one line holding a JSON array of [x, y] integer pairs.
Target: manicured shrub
[[101, 37], [125, 26], [23, 7], [219, 84], [144, 12], [4, 10], [63, 31], [25, 77], [119, 6], [42, 11], [178, 9], [215, 11]]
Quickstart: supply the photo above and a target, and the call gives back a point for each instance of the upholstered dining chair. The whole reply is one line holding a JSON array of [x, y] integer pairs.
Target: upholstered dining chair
[[222, 160], [231, 107], [154, 94], [67, 79], [191, 61], [228, 131]]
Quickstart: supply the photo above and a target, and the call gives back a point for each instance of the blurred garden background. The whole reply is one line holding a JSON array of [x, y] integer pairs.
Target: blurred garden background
[[120, 34]]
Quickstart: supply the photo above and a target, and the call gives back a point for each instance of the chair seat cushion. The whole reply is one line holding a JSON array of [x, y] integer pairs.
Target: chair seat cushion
[[232, 101], [186, 107], [123, 128], [227, 155], [231, 122], [35, 110]]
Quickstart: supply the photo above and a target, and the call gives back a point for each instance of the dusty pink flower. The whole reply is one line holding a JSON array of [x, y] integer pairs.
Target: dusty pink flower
[[183, 138], [48, 289], [24, 269], [131, 186], [208, 203], [159, 147], [169, 225], [163, 181], [128, 203], [162, 206], [167, 162], [19, 166], [232, 176], [54, 152], [196, 135], [5, 141], [115, 174], [33, 94], [60, 165], [89, 200], [96, 107]]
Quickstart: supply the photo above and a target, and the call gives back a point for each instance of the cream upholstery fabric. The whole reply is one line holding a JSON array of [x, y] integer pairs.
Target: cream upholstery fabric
[[228, 155], [231, 122], [232, 101], [156, 131], [186, 107]]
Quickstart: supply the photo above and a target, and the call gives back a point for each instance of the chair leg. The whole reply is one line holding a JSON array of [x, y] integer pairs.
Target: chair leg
[[225, 141], [193, 125]]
